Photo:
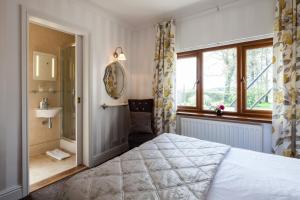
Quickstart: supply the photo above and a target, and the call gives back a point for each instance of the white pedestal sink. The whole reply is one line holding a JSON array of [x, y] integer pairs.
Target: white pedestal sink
[[47, 113]]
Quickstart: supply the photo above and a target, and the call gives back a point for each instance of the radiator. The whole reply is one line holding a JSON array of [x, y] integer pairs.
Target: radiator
[[239, 135]]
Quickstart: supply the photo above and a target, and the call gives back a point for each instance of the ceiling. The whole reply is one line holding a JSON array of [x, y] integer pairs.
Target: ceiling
[[137, 12]]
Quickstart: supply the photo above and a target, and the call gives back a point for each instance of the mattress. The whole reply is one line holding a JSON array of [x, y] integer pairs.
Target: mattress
[[169, 167], [250, 175], [236, 174]]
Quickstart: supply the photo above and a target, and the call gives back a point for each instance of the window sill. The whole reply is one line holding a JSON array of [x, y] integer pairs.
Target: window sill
[[227, 117]]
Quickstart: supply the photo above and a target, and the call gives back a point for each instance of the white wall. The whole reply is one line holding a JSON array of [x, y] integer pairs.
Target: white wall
[[236, 21], [141, 70], [106, 33]]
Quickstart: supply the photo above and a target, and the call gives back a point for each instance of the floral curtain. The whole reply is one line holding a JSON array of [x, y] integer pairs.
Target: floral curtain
[[164, 78], [286, 105]]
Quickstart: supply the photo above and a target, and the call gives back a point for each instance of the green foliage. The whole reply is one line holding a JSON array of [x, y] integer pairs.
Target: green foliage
[[188, 98], [257, 61]]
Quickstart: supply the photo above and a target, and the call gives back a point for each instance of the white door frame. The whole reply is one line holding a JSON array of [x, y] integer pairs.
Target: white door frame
[[28, 15], [78, 97]]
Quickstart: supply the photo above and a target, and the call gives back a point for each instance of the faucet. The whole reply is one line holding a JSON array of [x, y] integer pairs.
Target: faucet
[[44, 103]]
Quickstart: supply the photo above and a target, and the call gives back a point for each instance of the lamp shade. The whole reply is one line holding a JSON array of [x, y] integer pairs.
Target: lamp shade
[[122, 56]]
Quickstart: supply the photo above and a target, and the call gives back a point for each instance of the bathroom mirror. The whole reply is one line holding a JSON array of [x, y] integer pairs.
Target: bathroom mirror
[[44, 66], [114, 79]]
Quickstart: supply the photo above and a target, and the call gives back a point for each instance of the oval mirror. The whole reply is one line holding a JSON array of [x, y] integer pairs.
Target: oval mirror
[[114, 79]]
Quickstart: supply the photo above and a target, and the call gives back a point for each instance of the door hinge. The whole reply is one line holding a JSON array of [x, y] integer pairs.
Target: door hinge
[[78, 99]]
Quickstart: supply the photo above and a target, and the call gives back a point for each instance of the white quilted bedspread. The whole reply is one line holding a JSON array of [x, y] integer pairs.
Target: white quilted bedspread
[[168, 167]]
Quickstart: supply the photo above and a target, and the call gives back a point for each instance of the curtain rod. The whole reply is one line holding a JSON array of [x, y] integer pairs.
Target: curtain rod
[[217, 8]]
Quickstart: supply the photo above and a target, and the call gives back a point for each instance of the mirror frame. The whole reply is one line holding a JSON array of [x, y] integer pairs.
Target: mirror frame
[[106, 73]]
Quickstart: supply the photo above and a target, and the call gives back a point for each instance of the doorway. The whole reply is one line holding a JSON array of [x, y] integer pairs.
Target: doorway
[[54, 108]]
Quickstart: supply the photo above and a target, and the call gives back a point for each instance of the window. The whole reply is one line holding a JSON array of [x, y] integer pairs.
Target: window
[[238, 76], [186, 81], [259, 75], [219, 78]]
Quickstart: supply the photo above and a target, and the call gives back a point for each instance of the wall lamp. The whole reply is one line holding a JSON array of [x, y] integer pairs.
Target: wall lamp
[[120, 56]]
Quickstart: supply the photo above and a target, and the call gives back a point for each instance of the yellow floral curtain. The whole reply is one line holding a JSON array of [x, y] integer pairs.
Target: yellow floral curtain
[[286, 105], [164, 78]]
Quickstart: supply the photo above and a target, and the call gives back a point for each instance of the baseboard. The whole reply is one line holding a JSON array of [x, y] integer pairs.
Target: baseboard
[[105, 156], [12, 193]]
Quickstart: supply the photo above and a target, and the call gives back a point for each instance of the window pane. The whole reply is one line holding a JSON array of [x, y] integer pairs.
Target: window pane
[[219, 79], [259, 78], [186, 75]]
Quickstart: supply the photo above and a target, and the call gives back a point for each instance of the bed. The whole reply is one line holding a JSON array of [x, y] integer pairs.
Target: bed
[[177, 167]]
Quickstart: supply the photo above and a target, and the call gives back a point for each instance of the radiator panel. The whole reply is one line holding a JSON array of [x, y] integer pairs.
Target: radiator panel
[[246, 136]]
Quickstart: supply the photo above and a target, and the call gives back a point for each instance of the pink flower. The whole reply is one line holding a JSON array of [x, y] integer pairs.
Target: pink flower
[[222, 107]]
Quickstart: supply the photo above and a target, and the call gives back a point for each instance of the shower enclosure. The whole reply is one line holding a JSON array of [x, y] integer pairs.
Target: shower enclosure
[[68, 130]]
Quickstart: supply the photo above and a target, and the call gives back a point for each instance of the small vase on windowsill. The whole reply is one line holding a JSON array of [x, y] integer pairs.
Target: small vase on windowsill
[[219, 109], [219, 112]]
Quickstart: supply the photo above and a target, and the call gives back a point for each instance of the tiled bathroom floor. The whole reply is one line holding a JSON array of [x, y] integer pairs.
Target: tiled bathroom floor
[[43, 166]]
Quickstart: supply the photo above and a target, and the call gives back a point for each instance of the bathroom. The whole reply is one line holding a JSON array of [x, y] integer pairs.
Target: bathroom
[[52, 104]]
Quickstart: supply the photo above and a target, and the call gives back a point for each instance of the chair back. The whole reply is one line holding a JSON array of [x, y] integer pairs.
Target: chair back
[[142, 105]]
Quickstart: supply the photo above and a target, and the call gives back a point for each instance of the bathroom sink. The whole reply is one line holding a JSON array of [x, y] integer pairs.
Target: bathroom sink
[[47, 113]]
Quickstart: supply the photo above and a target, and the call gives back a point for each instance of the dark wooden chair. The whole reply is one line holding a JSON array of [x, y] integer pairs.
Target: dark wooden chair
[[142, 120]]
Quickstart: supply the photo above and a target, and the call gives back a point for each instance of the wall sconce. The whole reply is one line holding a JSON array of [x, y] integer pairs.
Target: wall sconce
[[120, 56]]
